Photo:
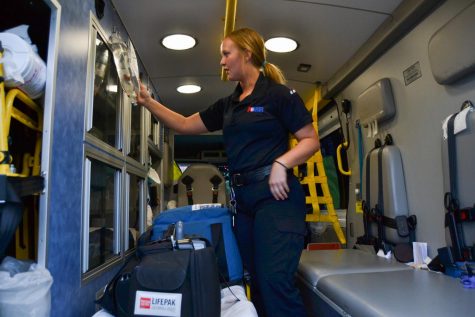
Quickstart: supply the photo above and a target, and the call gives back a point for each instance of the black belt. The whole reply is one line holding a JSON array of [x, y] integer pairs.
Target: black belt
[[257, 175]]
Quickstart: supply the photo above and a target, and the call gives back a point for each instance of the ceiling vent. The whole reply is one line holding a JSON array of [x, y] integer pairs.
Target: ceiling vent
[[304, 68]]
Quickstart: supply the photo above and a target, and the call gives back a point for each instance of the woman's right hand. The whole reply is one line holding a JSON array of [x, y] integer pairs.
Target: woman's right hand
[[143, 96]]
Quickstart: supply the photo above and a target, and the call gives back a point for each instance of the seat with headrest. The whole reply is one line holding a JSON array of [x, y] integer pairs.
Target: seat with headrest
[[201, 184]]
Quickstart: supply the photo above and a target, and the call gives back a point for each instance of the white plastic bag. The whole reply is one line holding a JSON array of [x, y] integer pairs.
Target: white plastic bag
[[25, 294], [102, 313], [231, 307], [23, 67]]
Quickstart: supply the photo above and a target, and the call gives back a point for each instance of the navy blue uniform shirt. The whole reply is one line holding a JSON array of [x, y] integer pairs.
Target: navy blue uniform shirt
[[255, 130]]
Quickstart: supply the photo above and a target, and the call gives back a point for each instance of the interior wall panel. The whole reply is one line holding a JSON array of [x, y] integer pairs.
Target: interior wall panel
[[71, 297], [421, 106]]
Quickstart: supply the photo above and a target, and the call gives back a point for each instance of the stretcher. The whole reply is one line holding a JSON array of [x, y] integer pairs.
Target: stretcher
[[351, 282]]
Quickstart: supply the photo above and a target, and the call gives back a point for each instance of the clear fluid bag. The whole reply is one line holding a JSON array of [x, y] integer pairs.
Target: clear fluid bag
[[127, 68]]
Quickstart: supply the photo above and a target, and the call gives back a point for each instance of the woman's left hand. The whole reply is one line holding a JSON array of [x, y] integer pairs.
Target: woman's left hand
[[278, 182]]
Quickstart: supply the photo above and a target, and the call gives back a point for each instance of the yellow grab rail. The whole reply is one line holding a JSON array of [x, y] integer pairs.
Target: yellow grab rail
[[20, 116], [229, 22], [3, 139], [339, 160], [35, 124], [8, 111]]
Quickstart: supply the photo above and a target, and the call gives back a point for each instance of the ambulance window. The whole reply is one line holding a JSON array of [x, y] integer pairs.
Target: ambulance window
[[155, 132], [115, 168], [135, 133], [103, 206], [106, 95], [134, 207], [151, 123]]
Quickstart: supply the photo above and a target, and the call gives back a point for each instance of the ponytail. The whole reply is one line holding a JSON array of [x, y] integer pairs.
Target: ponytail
[[250, 40], [273, 72]]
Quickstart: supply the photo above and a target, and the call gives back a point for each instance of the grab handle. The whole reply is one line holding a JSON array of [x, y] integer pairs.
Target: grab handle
[[338, 158]]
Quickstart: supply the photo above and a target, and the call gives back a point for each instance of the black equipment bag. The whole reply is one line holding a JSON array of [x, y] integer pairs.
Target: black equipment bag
[[163, 281]]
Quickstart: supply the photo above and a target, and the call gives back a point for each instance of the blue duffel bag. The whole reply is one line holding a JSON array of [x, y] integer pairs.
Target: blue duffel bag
[[212, 223]]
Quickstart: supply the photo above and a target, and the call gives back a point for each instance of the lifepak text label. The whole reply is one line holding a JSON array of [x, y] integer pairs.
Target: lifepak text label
[[157, 304]]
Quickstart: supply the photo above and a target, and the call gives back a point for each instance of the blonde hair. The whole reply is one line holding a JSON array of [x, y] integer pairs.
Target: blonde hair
[[250, 40]]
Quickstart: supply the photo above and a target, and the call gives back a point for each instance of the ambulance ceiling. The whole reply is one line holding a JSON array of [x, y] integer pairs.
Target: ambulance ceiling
[[329, 32]]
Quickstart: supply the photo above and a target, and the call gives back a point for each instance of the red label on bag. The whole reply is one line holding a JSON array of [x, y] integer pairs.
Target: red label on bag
[[145, 302], [157, 304]]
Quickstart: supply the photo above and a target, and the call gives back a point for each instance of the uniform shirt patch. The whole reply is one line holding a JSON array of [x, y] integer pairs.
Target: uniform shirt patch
[[255, 109]]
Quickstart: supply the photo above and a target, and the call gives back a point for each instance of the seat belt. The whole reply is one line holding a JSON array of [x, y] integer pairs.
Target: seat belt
[[379, 208], [377, 145], [405, 226], [368, 238], [450, 198], [367, 205], [360, 151], [215, 180], [188, 180], [367, 202]]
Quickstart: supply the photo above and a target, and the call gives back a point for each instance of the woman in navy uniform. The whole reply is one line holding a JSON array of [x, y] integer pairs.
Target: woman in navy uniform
[[256, 120]]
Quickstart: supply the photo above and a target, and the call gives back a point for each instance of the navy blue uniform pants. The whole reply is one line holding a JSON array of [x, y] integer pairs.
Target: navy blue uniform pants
[[270, 236]]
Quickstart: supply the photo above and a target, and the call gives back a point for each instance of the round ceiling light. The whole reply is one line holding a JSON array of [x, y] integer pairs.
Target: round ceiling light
[[189, 89], [281, 44], [178, 42]]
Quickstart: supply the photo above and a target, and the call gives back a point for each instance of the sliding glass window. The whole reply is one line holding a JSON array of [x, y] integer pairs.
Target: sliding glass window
[[135, 133], [106, 109], [135, 184], [103, 215], [114, 172]]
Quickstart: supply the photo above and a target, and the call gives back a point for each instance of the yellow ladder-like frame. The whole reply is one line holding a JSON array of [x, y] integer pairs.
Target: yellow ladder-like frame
[[320, 178]]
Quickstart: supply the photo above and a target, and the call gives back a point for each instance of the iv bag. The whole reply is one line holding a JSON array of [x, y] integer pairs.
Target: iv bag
[[127, 67]]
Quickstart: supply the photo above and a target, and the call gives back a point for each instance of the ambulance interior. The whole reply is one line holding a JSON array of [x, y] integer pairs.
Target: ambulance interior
[[381, 79]]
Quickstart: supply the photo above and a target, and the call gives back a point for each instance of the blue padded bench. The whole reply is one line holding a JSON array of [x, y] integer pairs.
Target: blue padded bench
[[354, 283]]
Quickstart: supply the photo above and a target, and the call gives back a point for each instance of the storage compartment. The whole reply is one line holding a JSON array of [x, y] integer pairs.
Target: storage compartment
[[376, 103], [27, 122], [451, 48]]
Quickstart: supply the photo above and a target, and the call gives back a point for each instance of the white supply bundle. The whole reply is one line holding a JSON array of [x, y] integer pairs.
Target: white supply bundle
[[22, 66]]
